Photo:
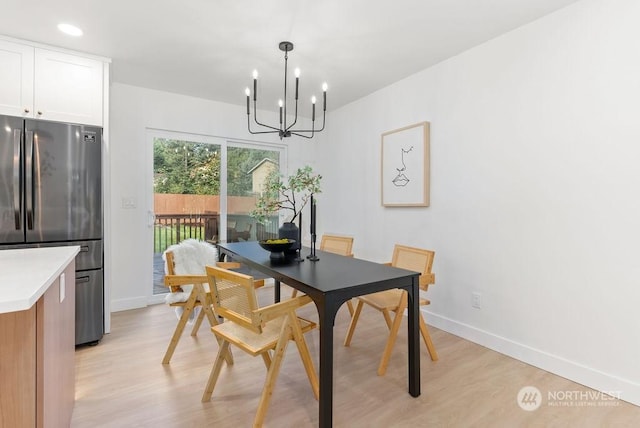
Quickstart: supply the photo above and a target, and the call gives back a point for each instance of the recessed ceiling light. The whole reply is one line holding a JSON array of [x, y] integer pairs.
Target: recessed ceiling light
[[69, 29]]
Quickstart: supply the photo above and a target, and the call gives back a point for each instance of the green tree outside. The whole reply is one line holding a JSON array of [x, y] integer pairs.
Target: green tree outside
[[183, 167]]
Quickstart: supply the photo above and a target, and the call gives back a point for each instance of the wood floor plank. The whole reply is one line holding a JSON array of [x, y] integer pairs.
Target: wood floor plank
[[122, 382]]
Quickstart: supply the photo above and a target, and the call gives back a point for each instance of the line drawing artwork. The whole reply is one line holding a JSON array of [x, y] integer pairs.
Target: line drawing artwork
[[401, 179], [404, 166]]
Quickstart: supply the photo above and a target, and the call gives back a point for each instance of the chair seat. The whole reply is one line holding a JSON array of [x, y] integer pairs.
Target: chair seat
[[387, 300], [255, 343]]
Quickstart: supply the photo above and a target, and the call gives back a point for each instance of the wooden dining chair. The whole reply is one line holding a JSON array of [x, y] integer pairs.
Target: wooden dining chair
[[188, 286], [395, 300], [336, 244], [257, 331]]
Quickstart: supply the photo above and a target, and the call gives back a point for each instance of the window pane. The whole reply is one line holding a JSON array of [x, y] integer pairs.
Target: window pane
[[186, 185], [246, 170]]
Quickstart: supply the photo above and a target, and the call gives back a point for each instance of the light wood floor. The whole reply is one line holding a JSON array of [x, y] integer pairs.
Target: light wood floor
[[122, 383]]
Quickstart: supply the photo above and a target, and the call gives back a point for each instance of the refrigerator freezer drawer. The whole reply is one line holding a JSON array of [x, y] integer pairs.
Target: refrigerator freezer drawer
[[89, 257], [89, 306]]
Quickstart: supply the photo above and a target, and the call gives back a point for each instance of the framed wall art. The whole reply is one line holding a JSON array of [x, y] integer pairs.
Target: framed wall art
[[405, 166]]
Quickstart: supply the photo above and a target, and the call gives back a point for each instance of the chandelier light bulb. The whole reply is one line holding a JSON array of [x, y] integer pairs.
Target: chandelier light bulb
[[324, 87], [313, 99], [247, 92], [280, 103], [255, 74], [297, 72]]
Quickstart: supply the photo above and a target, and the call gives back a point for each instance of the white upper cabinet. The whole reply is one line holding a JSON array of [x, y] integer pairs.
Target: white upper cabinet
[[68, 88], [16, 79], [50, 85]]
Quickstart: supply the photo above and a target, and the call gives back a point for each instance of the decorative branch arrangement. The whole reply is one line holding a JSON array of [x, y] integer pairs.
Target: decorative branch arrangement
[[291, 196]]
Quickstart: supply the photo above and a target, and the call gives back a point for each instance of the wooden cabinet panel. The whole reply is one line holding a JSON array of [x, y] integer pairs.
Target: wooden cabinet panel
[[55, 378], [37, 361], [18, 368]]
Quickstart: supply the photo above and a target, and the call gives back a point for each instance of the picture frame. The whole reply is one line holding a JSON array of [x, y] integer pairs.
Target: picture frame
[[405, 166]]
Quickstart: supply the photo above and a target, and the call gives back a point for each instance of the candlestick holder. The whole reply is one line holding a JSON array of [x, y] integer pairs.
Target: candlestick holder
[[312, 256], [312, 228], [299, 250]]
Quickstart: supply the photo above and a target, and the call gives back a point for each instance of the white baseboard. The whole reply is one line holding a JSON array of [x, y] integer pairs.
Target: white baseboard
[[576, 372], [127, 304]]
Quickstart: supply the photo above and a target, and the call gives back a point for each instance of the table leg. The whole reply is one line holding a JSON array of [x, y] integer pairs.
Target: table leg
[[276, 291], [413, 343], [327, 315]]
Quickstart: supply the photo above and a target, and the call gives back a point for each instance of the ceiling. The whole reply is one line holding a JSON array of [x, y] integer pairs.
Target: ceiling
[[209, 48]]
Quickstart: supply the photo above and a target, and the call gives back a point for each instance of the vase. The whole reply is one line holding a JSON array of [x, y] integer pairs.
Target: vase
[[291, 231]]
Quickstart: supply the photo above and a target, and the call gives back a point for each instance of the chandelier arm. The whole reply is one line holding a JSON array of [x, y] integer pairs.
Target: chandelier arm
[[302, 135], [312, 130], [257, 132], [255, 118], [295, 119]]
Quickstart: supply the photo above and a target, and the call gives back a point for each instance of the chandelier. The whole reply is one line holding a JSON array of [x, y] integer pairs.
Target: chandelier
[[284, 129]]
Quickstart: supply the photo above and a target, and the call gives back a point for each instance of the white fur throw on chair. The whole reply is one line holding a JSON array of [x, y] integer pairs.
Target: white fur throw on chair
[[190, 258]]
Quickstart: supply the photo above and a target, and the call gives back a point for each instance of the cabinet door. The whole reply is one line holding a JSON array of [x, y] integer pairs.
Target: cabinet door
[[68, 88], [16, 79]]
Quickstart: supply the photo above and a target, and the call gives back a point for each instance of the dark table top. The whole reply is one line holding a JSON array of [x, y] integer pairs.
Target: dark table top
[[332, 273]]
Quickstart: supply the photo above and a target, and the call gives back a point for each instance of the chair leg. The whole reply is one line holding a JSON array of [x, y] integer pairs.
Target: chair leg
[[188, 307], [207, 309], [427, 340], [387, 318], [215, 371], [350, 307], [196, 325], [303, 350], [393, 334], [267, 359], [272, 375], [352, 324]]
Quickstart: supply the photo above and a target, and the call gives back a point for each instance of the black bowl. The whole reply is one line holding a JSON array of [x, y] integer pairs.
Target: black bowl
[[276, 248]]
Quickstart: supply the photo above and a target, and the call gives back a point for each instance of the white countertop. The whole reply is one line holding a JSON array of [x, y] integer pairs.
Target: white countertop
[[26, 274]]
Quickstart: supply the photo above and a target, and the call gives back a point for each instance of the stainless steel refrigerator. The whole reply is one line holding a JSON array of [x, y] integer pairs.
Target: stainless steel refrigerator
[[51, 195]]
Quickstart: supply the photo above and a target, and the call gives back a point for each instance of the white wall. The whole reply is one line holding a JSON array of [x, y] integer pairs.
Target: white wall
[[133, 111], [535, 154]]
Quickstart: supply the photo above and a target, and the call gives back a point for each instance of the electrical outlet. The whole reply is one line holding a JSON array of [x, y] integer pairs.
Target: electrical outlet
[[476, 300]]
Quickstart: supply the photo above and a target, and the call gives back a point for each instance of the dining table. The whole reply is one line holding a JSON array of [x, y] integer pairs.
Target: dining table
[[331, 281]]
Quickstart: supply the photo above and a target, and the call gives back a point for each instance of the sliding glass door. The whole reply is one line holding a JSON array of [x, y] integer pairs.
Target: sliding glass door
[[205, 188]]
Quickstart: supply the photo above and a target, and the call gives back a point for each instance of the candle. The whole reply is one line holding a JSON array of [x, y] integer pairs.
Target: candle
[[255, 84], [247, 92], [324, 97], [313, 216]]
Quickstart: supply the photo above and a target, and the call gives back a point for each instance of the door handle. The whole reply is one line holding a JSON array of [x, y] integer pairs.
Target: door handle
[[151, 218], [82, 279], [29, 177], [17, 195]]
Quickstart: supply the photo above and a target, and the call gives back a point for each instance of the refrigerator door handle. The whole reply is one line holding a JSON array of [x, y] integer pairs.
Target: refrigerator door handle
[[29, 177], [17, 158]]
